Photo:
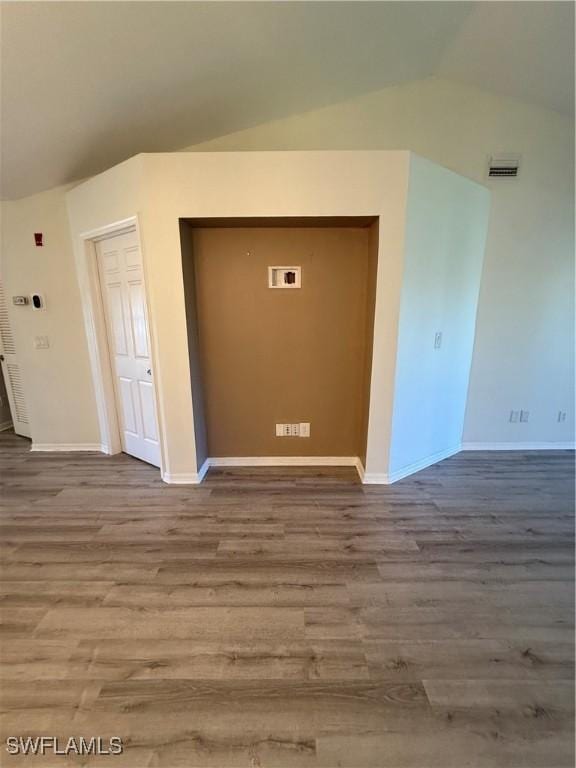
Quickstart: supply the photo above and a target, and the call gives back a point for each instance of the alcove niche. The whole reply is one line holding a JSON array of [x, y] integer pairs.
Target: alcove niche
[[280, 375], [390, 382]]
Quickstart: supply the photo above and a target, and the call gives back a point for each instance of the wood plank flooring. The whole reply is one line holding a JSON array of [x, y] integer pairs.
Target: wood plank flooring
[[290, 618]]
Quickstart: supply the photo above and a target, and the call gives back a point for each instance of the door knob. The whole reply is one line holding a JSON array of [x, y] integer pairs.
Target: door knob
[[149, 371]]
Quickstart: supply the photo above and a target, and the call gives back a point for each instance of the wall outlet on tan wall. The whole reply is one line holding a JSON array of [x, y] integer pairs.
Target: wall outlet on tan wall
[[293, 430]]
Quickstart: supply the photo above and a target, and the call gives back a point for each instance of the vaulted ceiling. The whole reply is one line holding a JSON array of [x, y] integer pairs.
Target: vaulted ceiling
[[88, 84]]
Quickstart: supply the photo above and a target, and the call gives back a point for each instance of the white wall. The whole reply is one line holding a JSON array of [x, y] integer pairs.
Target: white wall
[[57, 381], [523, 355], [524, 347], [105, 200], [446, 225], [437, 251], [174, 186]]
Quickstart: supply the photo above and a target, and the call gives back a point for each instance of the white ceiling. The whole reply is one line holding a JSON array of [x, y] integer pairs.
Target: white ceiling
[[88, 84]]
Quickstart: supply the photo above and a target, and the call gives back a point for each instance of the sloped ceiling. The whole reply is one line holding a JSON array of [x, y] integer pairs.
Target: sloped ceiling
[[523, 50], [88, 84]]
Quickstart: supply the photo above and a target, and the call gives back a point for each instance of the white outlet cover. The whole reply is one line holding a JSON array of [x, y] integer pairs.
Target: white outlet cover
[[284, 277]]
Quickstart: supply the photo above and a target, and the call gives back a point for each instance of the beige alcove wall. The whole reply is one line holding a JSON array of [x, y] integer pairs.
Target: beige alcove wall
[[260, 357], [159, 190]]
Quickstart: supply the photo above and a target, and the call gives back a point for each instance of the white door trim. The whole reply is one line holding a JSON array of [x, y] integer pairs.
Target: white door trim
[[97, 336]]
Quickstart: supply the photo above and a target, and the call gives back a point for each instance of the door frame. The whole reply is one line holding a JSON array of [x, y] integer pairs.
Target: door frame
[[14, 420], [97, 335]]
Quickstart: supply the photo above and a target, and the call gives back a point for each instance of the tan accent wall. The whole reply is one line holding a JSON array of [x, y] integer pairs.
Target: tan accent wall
[[284, 355]]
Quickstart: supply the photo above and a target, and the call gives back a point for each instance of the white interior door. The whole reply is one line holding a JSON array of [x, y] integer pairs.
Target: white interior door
[[11, 372], [124, 298]]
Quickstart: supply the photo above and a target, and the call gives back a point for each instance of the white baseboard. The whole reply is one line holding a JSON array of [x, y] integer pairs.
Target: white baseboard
[[360, 469], [203, 469], [6, 425], [375, 478], [372, 478], [67, 447], [186, 478], [536, 446], [283, 461], [194, 478], [182, 478]]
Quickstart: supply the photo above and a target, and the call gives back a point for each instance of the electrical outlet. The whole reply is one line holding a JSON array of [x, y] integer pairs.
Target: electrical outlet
[[514, 415], [287, 430], [437, 339], [561, 417], [524, 416], [304, 430]]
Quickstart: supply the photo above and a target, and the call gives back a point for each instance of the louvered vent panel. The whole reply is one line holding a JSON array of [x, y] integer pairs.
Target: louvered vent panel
[[499, 170], [17, 392], [504, 166], [5, 329]]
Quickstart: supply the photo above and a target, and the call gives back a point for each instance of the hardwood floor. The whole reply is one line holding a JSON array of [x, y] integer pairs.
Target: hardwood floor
[[286, 618]]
